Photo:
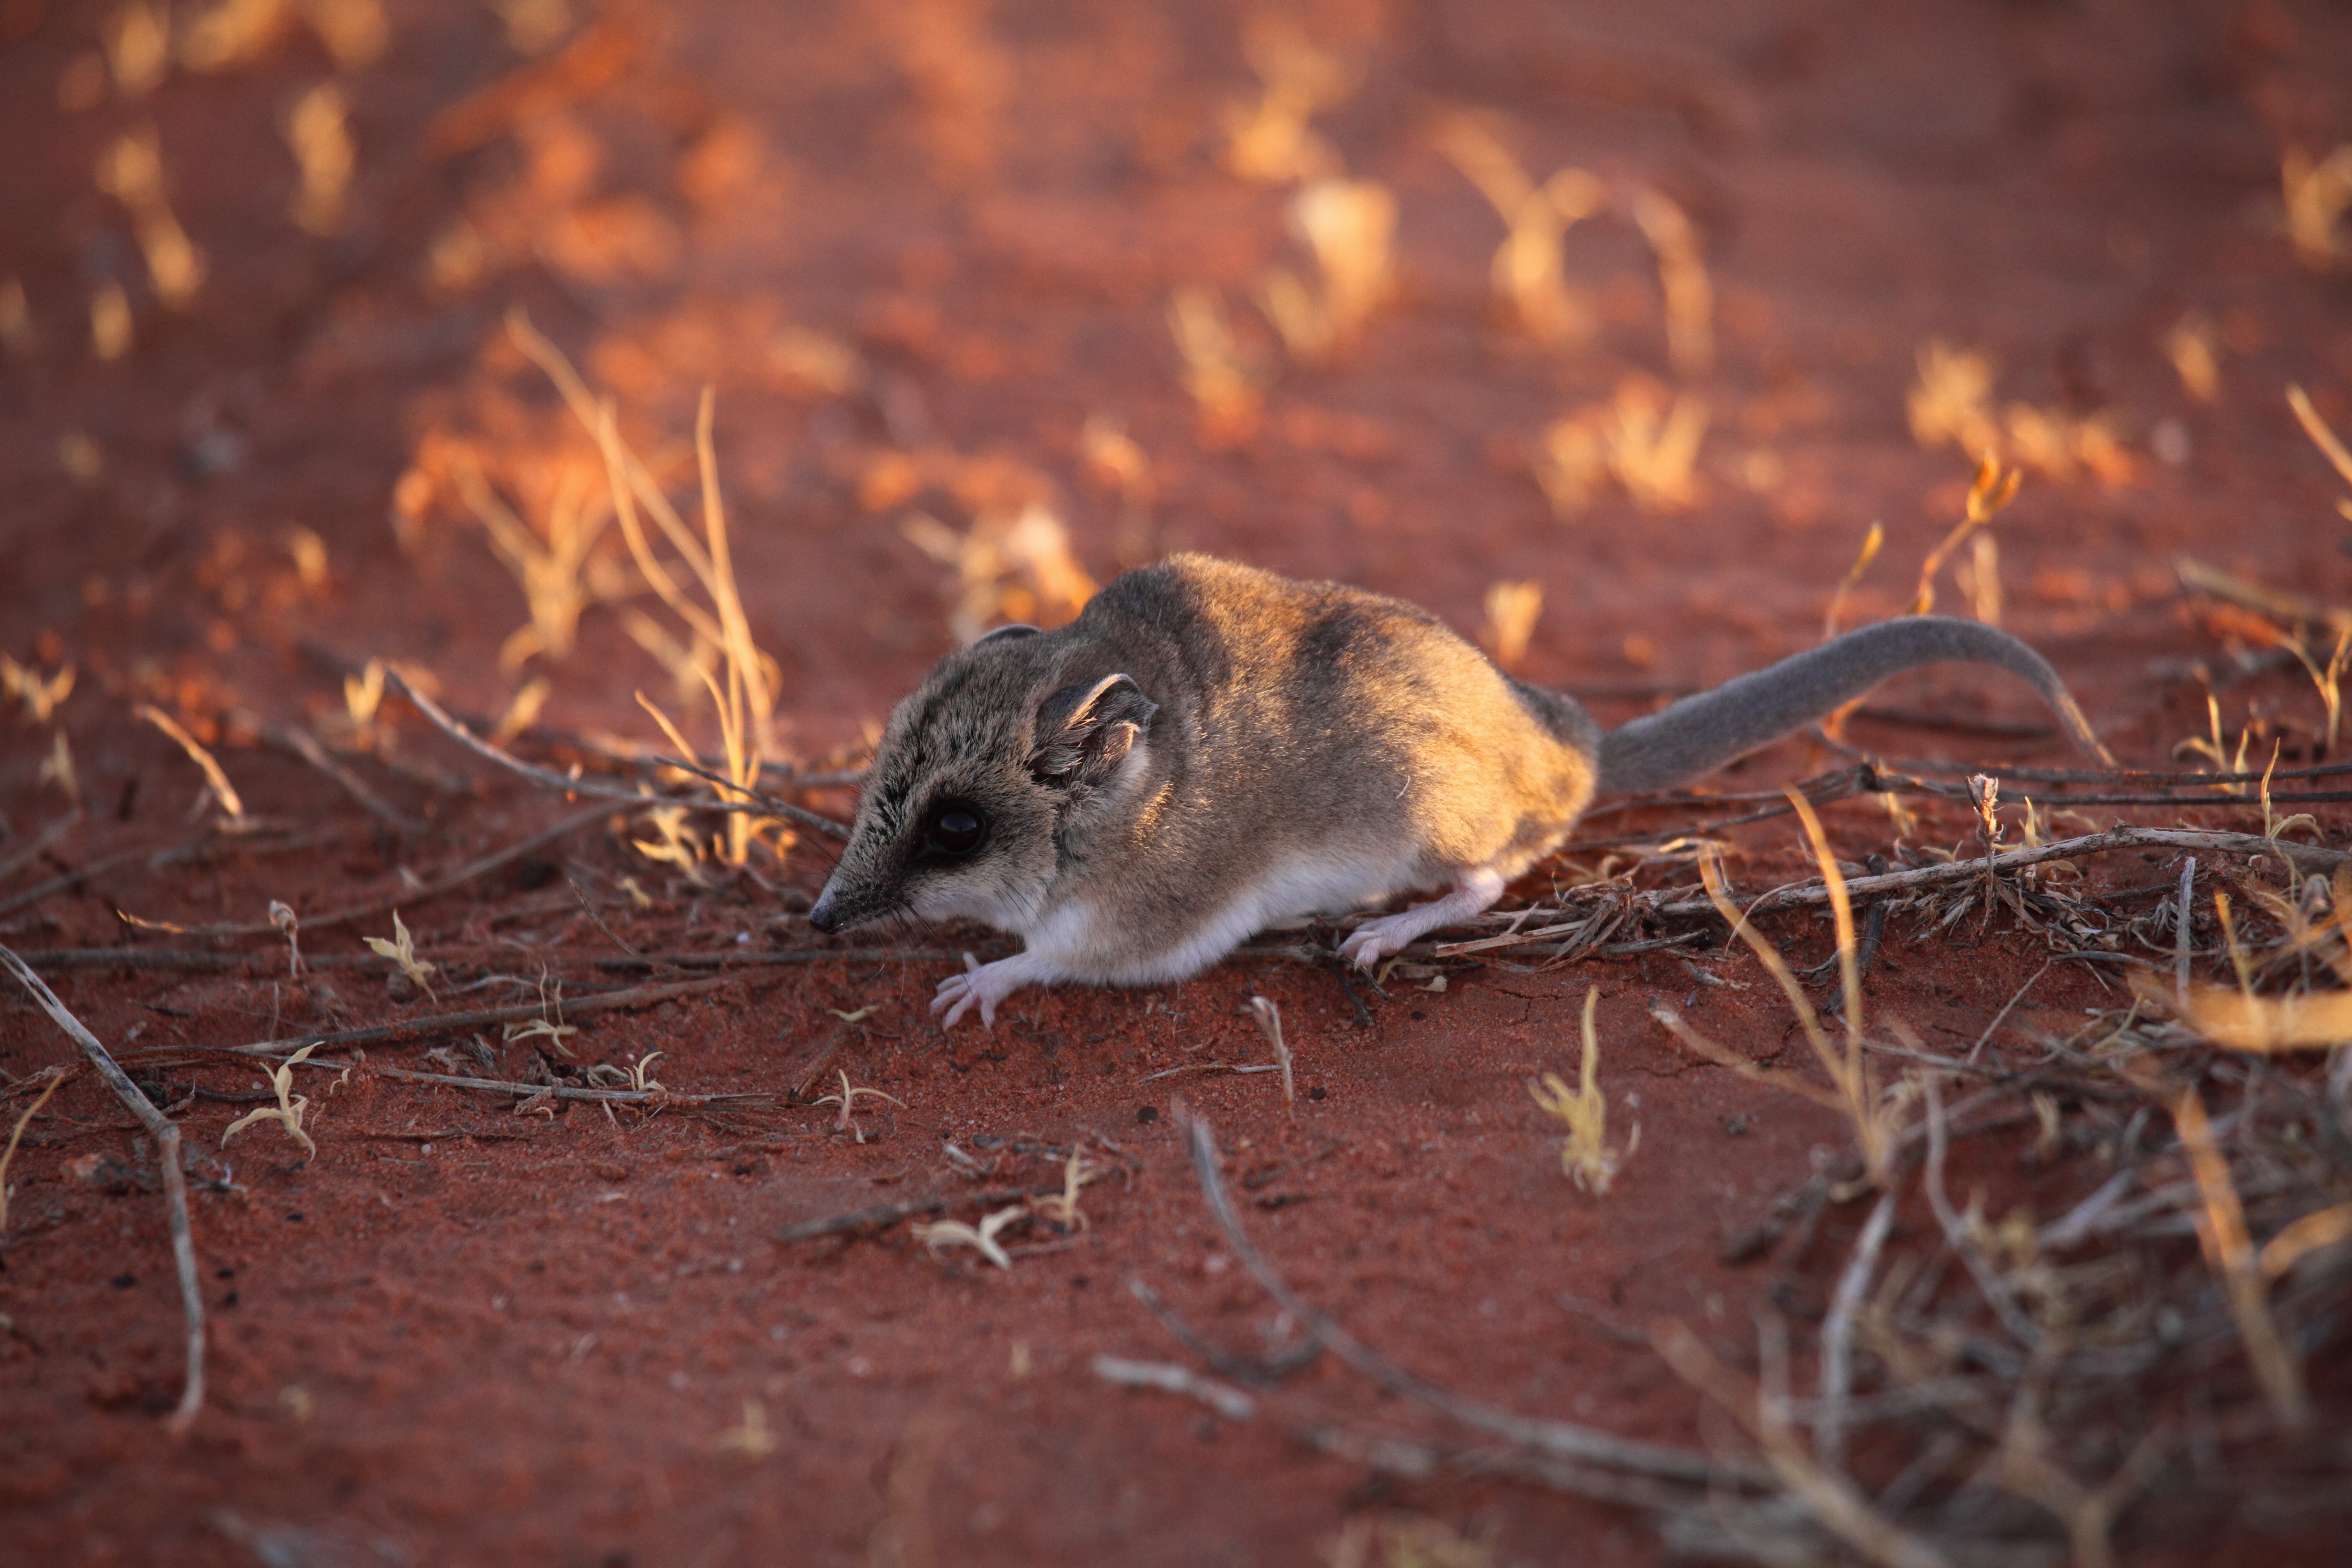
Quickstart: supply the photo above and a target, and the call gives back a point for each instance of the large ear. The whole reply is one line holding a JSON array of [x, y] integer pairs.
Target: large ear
[[1006, 634], [1085, 731]]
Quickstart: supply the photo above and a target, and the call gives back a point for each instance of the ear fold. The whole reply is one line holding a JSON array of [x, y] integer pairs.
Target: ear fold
[[1006, 634], [1085, 731]]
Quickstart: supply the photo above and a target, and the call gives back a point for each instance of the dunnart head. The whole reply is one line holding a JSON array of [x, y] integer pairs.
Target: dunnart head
[[977, 773]]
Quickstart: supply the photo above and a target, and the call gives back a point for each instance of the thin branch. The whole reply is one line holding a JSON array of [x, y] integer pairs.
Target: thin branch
[[433, 890], [461, 1022], [754, 801], [1837, 1332], [176, 1183], [305, 745], [1559, 1438]]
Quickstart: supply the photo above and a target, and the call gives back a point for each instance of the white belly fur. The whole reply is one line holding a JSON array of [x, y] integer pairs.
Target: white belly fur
[[1074, 941]]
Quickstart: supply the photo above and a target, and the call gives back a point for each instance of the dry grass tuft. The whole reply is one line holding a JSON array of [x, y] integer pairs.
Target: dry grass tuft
[[132, 171], [1952, 402], [1014, 566], [1585, 1158], [1222, 378], [1271, 141], [2194, 347], [1348, 227], [743, 692], [1511, 609], [1682, 274], [286, 1112], [1529, 271], [317, 130], [2316, 191], [215, 781]]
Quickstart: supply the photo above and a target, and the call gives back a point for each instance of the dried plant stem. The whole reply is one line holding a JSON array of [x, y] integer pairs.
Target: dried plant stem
[[57, 1077], [1837, 1331], [754, 801], [565, 1091], [459, 1023], [2183, 944], [40, 844], [305, 745], [1994, 1288], [1835, 1501], [2221, 1227], [1560, 1440], [433, 890], [1811, 895], [175, 1183]]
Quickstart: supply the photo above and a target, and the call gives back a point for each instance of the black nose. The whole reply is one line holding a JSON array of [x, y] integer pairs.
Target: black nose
[[821, 916]]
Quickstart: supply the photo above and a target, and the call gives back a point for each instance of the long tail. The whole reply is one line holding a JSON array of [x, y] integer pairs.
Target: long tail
[[1700, 733]]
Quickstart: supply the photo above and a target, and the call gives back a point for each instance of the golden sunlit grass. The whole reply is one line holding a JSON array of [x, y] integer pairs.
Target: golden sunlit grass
[[215, 782], [39, 695], [1649, 446], [1014, 566], [1585, 1158], [1511, 612], [2229, 1252], [137, 42], [743, 693], [2324, 437], [2317, 192], [1271, 141], [1221, 379], [1988, 493], [1348, 226], [1681, 275], [286, 1112], [1951, 403], [2194, 347], [132, 171], [1854, 1089], [1872, 543], [550, 568], [322, 141], [1529, 271]]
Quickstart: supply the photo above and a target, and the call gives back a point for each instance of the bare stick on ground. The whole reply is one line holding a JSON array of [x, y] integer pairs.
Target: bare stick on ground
[[175, 1183], [1559, 1438], [753, 801]]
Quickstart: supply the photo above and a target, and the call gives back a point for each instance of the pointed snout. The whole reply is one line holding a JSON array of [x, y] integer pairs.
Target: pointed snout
[[824, 915]]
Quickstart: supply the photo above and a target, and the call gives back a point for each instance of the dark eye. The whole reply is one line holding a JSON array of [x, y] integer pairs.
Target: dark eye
[[955, 827]]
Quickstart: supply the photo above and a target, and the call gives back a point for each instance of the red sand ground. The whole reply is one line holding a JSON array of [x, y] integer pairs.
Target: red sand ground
[[459, 1336]]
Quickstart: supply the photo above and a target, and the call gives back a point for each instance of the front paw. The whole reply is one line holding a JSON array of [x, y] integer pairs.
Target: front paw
[[981, 984]]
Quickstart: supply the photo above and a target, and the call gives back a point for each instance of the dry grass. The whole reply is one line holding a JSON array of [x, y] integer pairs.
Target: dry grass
[[1272, 140], [1011, 566], [2194, 347], [743, 692], [1585, 1158], [1348, 227], [1952, 404], [1222, 379], [1681, 275], [317, 130], [2316, 191], [1511, 610], [132, 171], [215, 782], [1854, 1089], [1530, 269]]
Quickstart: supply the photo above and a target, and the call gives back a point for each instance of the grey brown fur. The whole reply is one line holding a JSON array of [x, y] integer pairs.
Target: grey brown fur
[[1209, 748]]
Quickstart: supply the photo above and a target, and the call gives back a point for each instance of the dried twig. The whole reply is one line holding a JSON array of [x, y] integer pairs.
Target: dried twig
[[754, 802], [433, 890], [175, 1184], [1560, 1440]]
